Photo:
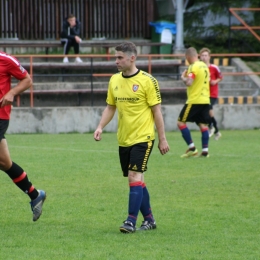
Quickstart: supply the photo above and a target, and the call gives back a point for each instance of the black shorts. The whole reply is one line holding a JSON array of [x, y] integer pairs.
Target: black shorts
[[198, 113], [135, 157], [213, 101], [4, 123]]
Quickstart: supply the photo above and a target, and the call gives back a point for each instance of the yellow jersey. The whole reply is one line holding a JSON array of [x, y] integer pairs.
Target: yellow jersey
[[198, 91], [133, 97]]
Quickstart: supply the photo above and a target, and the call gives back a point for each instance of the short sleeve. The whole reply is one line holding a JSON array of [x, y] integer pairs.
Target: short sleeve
[[110, 97], [15, 68], [153, 92]]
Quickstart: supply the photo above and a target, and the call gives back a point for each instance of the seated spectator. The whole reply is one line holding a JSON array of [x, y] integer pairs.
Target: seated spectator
[[70, 36]]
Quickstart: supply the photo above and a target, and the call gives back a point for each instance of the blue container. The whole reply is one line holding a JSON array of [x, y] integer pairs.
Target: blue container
[[157, 30]]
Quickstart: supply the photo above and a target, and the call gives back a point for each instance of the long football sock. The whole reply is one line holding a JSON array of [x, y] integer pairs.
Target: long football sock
[[186, 134], [145, 205], [19, 177], [135, 200], [214, 124], [205, 139]]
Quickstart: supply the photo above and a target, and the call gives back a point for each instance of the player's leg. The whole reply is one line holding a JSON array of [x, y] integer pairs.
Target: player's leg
[[76, 51], [66, 48], [214, 122], [186, 115], [124, 155], [18, 175], [137, 157], [146, 210], [213, 125], [134, 201], [204, 140], [211, 122], [202, 120]]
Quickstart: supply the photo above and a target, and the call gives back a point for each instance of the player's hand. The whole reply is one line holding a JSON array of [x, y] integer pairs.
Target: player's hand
[[163, 147], [97, 134], [213, 82], [184, 74], [78, 39], [6, 100]]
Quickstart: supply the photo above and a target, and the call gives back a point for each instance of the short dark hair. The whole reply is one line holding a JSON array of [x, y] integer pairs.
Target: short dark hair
[[71, 16], [127, 47]]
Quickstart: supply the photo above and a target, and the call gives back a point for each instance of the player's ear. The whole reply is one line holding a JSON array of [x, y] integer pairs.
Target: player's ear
[[133, 57]]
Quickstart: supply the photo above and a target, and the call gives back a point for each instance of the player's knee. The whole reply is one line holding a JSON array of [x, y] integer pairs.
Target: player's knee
[[181, 124], [134, 176], [5, 164]]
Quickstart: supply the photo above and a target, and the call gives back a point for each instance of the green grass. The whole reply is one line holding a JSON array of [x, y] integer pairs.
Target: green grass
[[205, 208], [254, 65]]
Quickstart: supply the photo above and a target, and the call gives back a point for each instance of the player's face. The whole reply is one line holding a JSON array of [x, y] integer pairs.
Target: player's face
[[204, 56], [123, 61]]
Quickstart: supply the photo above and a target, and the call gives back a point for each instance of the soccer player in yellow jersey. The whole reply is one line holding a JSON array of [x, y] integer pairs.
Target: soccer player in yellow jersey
[[136, 96], [196, 109]]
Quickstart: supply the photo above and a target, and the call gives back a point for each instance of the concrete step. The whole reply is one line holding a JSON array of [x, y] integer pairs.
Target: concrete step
[[234, 85], [238, 92], [230, 78]]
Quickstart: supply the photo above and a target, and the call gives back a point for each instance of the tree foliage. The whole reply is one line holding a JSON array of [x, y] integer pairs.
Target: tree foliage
[[217, 34]]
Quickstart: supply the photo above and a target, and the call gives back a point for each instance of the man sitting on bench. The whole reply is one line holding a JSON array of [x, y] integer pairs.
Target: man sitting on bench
[[70, 36]]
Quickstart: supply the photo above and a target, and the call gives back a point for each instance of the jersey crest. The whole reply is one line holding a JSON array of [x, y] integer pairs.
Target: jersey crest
[[135, 88]]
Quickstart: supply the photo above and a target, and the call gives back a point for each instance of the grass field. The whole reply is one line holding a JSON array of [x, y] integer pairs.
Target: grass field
[[205, 208]]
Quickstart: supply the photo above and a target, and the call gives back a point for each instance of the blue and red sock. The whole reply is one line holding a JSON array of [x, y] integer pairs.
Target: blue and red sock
[[135, 200], [205, 139], [145, 205], [186, 134]]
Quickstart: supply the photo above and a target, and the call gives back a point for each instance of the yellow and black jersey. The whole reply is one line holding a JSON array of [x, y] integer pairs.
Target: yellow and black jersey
[[134, 96], [198, 92]]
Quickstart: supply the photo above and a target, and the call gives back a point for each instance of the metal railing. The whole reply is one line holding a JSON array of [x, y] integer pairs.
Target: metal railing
[[147, 57], [245, 26]]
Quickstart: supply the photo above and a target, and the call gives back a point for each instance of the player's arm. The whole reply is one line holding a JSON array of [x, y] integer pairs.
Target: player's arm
[[107, 116], [22, 85], [218, 76], [187, 78], [158, 120], [215, 81]]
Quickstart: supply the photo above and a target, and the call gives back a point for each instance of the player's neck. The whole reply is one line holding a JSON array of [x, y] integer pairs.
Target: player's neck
[[130, 71]]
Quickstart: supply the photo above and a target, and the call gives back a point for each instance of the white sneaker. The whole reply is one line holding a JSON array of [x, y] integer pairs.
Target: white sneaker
[[211, 131], [65, 60], [217, 135], [78, 59]]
